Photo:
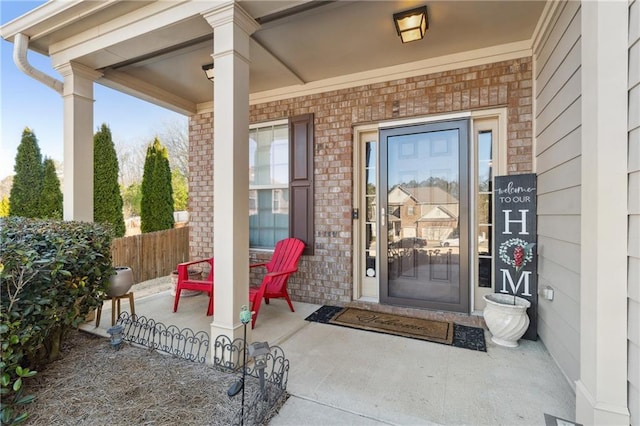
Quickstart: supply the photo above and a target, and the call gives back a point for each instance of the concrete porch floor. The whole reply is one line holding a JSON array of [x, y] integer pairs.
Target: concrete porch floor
[[341, 376]]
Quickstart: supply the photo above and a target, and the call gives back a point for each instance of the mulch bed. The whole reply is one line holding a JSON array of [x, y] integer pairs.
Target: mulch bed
[[92, 384]]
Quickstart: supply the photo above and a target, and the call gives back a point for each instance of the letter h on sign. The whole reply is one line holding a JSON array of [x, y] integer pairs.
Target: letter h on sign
[[522, 221]]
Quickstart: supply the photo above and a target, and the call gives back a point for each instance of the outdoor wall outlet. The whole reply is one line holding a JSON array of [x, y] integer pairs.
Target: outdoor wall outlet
[[547, 293]]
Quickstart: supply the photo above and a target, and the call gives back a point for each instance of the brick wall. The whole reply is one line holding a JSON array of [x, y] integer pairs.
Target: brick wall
[[326, 277], [201, 186]]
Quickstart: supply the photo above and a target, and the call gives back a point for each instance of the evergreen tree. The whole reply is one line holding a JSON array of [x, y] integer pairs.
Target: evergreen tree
[[4, 206], [157, 195], [24, 198], [107, 200], [51, 198]]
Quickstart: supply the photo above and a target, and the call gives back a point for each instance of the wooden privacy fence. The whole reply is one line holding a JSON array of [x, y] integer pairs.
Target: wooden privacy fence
[[153, 254]]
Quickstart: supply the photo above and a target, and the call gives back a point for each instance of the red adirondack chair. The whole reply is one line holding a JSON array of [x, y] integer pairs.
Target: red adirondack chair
[[184, 283], [283, 263]]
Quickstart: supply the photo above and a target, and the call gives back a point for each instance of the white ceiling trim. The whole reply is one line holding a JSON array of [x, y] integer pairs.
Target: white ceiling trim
[[137, 23], [443, 63], [60, 22], [428, 66], [231, 13], [27, 24], [281, 64], [141, 89], [204, 107], [543, 27]]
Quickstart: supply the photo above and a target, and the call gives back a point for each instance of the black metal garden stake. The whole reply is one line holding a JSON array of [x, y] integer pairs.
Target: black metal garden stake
[[245, 318]]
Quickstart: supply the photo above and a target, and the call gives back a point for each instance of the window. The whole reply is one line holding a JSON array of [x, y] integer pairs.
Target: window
[[268, 184], [489, 161], [281, 182], [484, 206]]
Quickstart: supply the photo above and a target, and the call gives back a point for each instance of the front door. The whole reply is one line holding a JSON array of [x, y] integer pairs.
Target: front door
[[423, 216]]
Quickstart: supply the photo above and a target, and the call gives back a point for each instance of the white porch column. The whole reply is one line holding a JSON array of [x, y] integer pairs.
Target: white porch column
[[601, 391], [77, 98], [232, 27]]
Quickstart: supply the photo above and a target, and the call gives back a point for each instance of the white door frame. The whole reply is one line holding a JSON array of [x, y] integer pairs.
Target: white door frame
[[369, 292]]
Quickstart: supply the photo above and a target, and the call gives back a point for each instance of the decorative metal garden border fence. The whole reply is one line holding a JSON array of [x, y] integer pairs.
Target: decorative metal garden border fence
[[265, 386], [228, 355], [183, 343], [273, 374]]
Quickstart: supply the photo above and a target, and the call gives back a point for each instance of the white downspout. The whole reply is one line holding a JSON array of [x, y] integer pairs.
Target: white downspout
[[21, 43]]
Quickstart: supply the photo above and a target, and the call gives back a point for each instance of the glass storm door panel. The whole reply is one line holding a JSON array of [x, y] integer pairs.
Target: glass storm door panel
[[423, 217]]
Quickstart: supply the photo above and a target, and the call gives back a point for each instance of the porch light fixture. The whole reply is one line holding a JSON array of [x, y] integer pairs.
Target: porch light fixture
[[208, 70], [411, 25]]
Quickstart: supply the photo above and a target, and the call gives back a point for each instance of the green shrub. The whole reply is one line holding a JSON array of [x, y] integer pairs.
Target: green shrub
[[157, 195], [53, 274]]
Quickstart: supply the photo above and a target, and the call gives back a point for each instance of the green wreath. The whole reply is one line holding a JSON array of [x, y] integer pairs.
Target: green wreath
[[514, 242]]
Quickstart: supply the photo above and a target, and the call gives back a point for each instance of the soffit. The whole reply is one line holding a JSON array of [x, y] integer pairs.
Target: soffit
[[329, 40], [354, 36], [57, 20]]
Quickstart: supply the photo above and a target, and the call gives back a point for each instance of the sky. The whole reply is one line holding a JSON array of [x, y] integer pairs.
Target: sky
[[25, 102]]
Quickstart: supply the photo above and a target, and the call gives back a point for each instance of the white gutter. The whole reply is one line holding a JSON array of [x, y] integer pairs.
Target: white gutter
[[20, 46]]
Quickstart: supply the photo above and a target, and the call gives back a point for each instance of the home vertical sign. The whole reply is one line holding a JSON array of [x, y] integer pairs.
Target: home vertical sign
[[515, 225]]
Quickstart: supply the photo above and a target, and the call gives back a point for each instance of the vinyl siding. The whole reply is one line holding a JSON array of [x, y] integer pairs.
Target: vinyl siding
[[634, 214], [557, 109]]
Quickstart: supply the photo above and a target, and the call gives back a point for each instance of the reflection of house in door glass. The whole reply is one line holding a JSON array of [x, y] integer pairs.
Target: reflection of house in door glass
[[422, 184], [426, 212]]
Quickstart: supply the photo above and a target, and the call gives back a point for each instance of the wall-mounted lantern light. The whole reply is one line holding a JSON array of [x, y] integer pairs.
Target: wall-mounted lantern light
[[411, 25], [208, 70]]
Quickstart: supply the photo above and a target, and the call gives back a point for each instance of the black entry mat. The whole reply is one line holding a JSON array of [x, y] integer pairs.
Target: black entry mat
[[463, 336]]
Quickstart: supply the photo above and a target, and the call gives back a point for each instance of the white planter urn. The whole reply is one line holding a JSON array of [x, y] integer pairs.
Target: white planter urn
[[121, 282], [506, 321]]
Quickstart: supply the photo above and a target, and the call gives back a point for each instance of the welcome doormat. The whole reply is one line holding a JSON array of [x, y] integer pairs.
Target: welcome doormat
[[444, 332]]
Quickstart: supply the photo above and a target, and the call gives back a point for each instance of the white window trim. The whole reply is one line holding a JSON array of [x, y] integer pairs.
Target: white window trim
[[499, 167], [273, 123], [260, 125], [422, 120]]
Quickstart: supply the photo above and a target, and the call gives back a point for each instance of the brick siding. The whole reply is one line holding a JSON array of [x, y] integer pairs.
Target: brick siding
[[326, 277], [201, 186]]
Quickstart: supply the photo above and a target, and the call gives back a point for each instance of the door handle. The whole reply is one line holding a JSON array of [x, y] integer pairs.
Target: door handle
[[382, 217]]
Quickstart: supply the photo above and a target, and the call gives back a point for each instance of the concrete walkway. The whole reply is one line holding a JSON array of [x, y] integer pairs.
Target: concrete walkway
[[341, 376]]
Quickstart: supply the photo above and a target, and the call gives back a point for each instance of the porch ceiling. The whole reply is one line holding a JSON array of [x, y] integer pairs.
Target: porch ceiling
[[299, 42]]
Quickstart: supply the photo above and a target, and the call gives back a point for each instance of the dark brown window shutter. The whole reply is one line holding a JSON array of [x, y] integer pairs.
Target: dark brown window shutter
[[301, 180]]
